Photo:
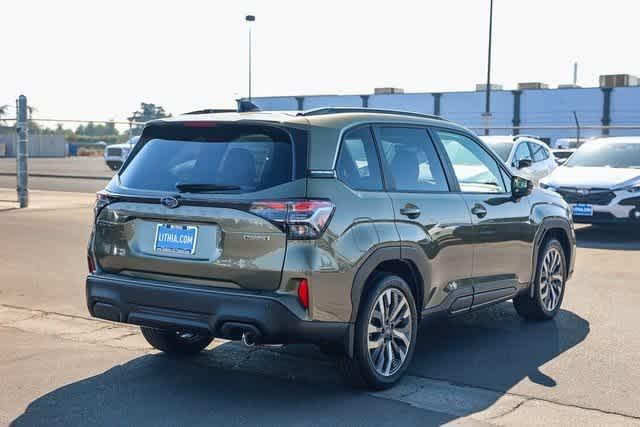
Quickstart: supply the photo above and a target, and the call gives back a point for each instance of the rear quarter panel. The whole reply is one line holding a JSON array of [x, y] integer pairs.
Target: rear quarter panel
[[362, 222]]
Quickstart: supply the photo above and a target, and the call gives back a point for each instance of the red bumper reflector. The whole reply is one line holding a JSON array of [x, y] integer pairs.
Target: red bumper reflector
[[303, 293], [91, 264]]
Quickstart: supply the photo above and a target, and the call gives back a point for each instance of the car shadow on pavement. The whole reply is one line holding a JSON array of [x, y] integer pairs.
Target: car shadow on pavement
[[609, 237], [230, 385], [494, 349]]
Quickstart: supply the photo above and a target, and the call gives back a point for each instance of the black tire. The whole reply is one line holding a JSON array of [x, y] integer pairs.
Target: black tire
[[533, 308], [175, 343], [360, 369]]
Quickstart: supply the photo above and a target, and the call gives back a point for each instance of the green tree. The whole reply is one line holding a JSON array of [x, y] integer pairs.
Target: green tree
[[148, 112]]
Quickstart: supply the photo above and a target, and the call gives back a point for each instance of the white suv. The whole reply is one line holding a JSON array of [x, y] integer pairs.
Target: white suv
[[116, 154], [524, 155], [601, 181]]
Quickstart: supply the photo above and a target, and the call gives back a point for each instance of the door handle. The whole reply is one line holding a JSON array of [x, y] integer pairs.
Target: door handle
[[479, 210], [411, 211]]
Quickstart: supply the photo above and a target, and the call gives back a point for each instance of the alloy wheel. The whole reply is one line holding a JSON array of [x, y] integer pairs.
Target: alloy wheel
[[389, 332], [551, 279]]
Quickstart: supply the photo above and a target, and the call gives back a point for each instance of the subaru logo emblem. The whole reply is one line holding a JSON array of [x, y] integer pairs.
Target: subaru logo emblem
[[170, 202]]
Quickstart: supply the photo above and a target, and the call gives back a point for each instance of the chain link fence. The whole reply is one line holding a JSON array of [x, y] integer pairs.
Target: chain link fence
[[66, 137]]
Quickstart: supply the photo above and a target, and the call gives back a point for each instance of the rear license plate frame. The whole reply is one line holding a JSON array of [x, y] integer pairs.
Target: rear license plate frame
[[173, 246]]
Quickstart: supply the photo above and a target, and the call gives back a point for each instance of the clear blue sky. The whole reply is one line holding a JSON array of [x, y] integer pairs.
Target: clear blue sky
[[98, 60]]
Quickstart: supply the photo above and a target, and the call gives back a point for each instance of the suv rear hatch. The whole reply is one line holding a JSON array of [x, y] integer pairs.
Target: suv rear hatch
[[182, 208]]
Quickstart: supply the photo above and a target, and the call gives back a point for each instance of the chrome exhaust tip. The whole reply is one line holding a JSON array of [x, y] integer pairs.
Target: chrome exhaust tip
[[247, 340]]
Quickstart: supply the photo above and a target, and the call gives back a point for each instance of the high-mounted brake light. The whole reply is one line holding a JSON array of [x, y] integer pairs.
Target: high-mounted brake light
[[199, 124], [303, 219]]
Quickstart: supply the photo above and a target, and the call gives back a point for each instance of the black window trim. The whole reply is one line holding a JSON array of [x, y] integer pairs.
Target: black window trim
[[386, 172], [449, 166], [341, 144]]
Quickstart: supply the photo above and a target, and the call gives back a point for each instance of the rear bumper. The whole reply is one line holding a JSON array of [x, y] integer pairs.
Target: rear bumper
[[222, 313]]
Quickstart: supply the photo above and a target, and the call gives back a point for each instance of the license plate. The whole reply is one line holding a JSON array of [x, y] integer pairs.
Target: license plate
[[180, 239], [582, 210]]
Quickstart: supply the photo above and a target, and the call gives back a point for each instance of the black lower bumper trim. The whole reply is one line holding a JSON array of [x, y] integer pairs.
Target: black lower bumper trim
[[173, 306], [607, 218]]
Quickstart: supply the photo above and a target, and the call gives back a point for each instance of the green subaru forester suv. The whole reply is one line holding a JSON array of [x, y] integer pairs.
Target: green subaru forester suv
[[341, 227]]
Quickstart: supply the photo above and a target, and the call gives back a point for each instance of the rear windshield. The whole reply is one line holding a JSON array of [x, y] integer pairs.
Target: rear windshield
[[224, 158]]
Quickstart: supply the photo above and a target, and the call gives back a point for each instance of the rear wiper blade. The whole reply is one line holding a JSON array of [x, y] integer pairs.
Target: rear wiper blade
[[203, 188]]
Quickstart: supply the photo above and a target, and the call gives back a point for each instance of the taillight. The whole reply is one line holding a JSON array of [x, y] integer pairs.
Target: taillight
[[91, 264], [302, 219], [303, 293], [102, 200]]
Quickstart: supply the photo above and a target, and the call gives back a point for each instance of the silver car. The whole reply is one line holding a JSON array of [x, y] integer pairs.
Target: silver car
[[116, 154], [601, 181]]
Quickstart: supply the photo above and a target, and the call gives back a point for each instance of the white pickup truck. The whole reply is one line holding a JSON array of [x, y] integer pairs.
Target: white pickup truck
[[116, 154]]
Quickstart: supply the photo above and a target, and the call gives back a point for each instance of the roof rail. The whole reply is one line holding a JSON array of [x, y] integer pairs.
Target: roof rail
[[339, 110], [515, 137], [212, 111]]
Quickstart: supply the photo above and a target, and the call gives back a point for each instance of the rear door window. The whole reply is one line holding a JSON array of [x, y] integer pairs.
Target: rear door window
[[411, 160], [230, 158], [358, 165], [539, 153]]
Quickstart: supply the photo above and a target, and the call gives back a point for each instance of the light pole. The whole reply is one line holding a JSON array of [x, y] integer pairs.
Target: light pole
[[250, 19], [487, 106]]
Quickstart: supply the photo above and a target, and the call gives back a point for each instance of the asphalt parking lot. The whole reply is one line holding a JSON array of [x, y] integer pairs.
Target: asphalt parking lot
[[488, 367]]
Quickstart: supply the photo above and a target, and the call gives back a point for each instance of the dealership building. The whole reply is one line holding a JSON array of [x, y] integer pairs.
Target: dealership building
[[613, 108]]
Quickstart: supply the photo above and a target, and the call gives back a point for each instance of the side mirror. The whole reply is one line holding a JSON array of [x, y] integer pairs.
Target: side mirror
[[524, 163], [520, 187]]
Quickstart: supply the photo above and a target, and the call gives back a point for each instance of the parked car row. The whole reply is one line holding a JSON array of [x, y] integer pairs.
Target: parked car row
[[600, 180]]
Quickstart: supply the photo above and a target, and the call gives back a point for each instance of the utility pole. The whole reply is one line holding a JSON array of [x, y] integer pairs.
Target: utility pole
[[487, 106], [575, 117], [250, 19], [22, 153]]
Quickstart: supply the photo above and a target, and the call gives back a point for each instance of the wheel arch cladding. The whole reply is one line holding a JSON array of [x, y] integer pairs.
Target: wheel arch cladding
[[387, 260], [563, 238], [406, 270], [553, 228], [364, 273]]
